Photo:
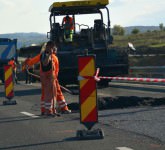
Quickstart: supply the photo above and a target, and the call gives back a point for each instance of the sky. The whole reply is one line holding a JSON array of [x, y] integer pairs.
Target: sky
[[33, 15]]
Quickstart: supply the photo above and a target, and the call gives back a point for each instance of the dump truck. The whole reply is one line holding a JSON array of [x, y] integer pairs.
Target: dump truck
[[8, 50], [94, 38]]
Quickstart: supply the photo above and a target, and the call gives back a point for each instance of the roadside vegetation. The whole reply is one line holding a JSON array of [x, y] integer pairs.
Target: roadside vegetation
[[146, 44], [150, 42]]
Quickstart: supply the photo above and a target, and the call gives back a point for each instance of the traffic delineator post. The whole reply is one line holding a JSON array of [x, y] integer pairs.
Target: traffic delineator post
[[9, 85], [88, 98]]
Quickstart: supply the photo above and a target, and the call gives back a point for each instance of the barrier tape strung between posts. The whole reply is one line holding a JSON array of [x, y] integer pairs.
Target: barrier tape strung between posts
[[133, 79], [98, 78]]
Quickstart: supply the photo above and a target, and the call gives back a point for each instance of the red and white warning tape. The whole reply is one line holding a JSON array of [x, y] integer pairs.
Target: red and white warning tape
[[133, 79], [129, 78], [98, 78]]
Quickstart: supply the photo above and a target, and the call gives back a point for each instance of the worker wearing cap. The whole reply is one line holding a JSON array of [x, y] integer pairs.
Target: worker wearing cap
[[68, 25]]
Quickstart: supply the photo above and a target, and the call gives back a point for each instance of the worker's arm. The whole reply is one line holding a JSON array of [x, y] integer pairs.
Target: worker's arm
[[56, 62], [33, 60]]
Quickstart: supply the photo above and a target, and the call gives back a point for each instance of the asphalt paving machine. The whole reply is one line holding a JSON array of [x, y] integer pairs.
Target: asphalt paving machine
[[91, 35]]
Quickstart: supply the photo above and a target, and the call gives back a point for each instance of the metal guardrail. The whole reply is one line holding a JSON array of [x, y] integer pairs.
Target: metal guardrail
[[147, 71], [148, 67]]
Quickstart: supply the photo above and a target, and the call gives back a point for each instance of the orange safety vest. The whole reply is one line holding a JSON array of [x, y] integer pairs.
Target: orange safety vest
[[36, 59], [69, 25]]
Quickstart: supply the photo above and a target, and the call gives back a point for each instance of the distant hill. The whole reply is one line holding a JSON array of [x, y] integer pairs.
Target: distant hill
[[142, 29], [26, 39]]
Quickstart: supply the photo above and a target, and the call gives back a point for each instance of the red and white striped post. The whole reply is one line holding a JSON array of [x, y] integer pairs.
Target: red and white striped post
[[9, 86], [88, 98]]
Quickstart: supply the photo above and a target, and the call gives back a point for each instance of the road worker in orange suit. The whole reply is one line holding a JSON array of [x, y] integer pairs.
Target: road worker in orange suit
[[47, 76], [28, 77], [60, 98]]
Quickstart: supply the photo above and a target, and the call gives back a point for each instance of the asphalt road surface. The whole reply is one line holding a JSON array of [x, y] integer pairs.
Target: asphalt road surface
[[135, 128]]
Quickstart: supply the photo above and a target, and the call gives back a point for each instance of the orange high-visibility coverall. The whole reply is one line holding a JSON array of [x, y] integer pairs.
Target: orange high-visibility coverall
[[48, 81], [60, 97]]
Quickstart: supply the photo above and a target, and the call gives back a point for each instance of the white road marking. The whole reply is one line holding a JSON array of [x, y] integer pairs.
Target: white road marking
[[123, 148], [29, 114]]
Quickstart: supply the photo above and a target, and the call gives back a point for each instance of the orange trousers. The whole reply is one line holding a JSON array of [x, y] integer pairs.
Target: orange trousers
[[59, 98], [49, 92]]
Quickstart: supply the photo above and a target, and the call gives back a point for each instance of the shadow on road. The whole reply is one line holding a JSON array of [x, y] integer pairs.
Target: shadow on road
[[31, 146], [26, 92], [17, 119]]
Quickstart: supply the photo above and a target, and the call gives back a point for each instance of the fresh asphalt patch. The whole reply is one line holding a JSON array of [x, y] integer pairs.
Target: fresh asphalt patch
[[108, 102], [128, 101], [122, 102]]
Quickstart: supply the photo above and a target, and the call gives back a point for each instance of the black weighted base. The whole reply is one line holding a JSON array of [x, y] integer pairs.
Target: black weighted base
[[9, 102], [90, 134]]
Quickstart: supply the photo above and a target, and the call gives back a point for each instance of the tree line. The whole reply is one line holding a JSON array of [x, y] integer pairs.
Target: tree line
[[119, 30]]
